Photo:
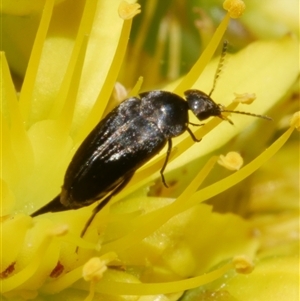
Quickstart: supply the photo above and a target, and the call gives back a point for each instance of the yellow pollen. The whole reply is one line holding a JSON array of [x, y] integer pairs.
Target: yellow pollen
[[232, 161], [247, 98], [128, 11], [93, 270], [234, 7], [243, 264]]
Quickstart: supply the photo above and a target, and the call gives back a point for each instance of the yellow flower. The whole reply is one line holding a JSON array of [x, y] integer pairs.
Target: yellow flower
[[155, 243]]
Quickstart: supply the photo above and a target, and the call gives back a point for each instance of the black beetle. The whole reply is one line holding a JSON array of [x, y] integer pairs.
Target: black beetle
[[123, 141], [127, 138]]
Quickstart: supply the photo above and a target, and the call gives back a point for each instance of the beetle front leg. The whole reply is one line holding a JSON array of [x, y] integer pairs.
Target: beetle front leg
[[192, 135]]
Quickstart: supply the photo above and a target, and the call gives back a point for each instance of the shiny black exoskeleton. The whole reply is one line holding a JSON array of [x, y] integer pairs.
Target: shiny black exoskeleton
[[128, 137], [123, 141]]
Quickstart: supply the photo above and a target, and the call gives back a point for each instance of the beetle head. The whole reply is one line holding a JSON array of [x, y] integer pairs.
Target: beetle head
[[202, 105]]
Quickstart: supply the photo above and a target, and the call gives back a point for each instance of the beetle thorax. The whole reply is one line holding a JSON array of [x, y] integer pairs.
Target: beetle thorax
[[170, 116]]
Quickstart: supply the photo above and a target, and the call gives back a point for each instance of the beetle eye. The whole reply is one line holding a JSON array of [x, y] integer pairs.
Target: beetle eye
[[201, 104]]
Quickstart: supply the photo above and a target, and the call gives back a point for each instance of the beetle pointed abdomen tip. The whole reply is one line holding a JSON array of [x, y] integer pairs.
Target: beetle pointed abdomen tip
[[54, 206]]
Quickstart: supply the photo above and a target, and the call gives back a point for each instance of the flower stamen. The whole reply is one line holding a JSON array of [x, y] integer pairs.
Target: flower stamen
[[234, 7], [295, 121], [232, 161], [246, 98], [128, 10], [243, 264]]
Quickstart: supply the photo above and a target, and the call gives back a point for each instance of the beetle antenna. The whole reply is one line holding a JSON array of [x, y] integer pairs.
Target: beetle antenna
[[249, 114], [220, 66]]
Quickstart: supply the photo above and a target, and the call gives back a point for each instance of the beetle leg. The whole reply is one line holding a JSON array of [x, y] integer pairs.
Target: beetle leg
[[166, 162], [196, 124], [192, 135], [104, 202]]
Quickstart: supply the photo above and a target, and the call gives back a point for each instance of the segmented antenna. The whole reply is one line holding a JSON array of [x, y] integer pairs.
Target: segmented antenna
[[220, 65], [247, 113]]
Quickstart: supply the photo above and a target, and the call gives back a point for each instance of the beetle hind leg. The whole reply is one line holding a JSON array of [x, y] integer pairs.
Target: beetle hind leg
[[104, 202]]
